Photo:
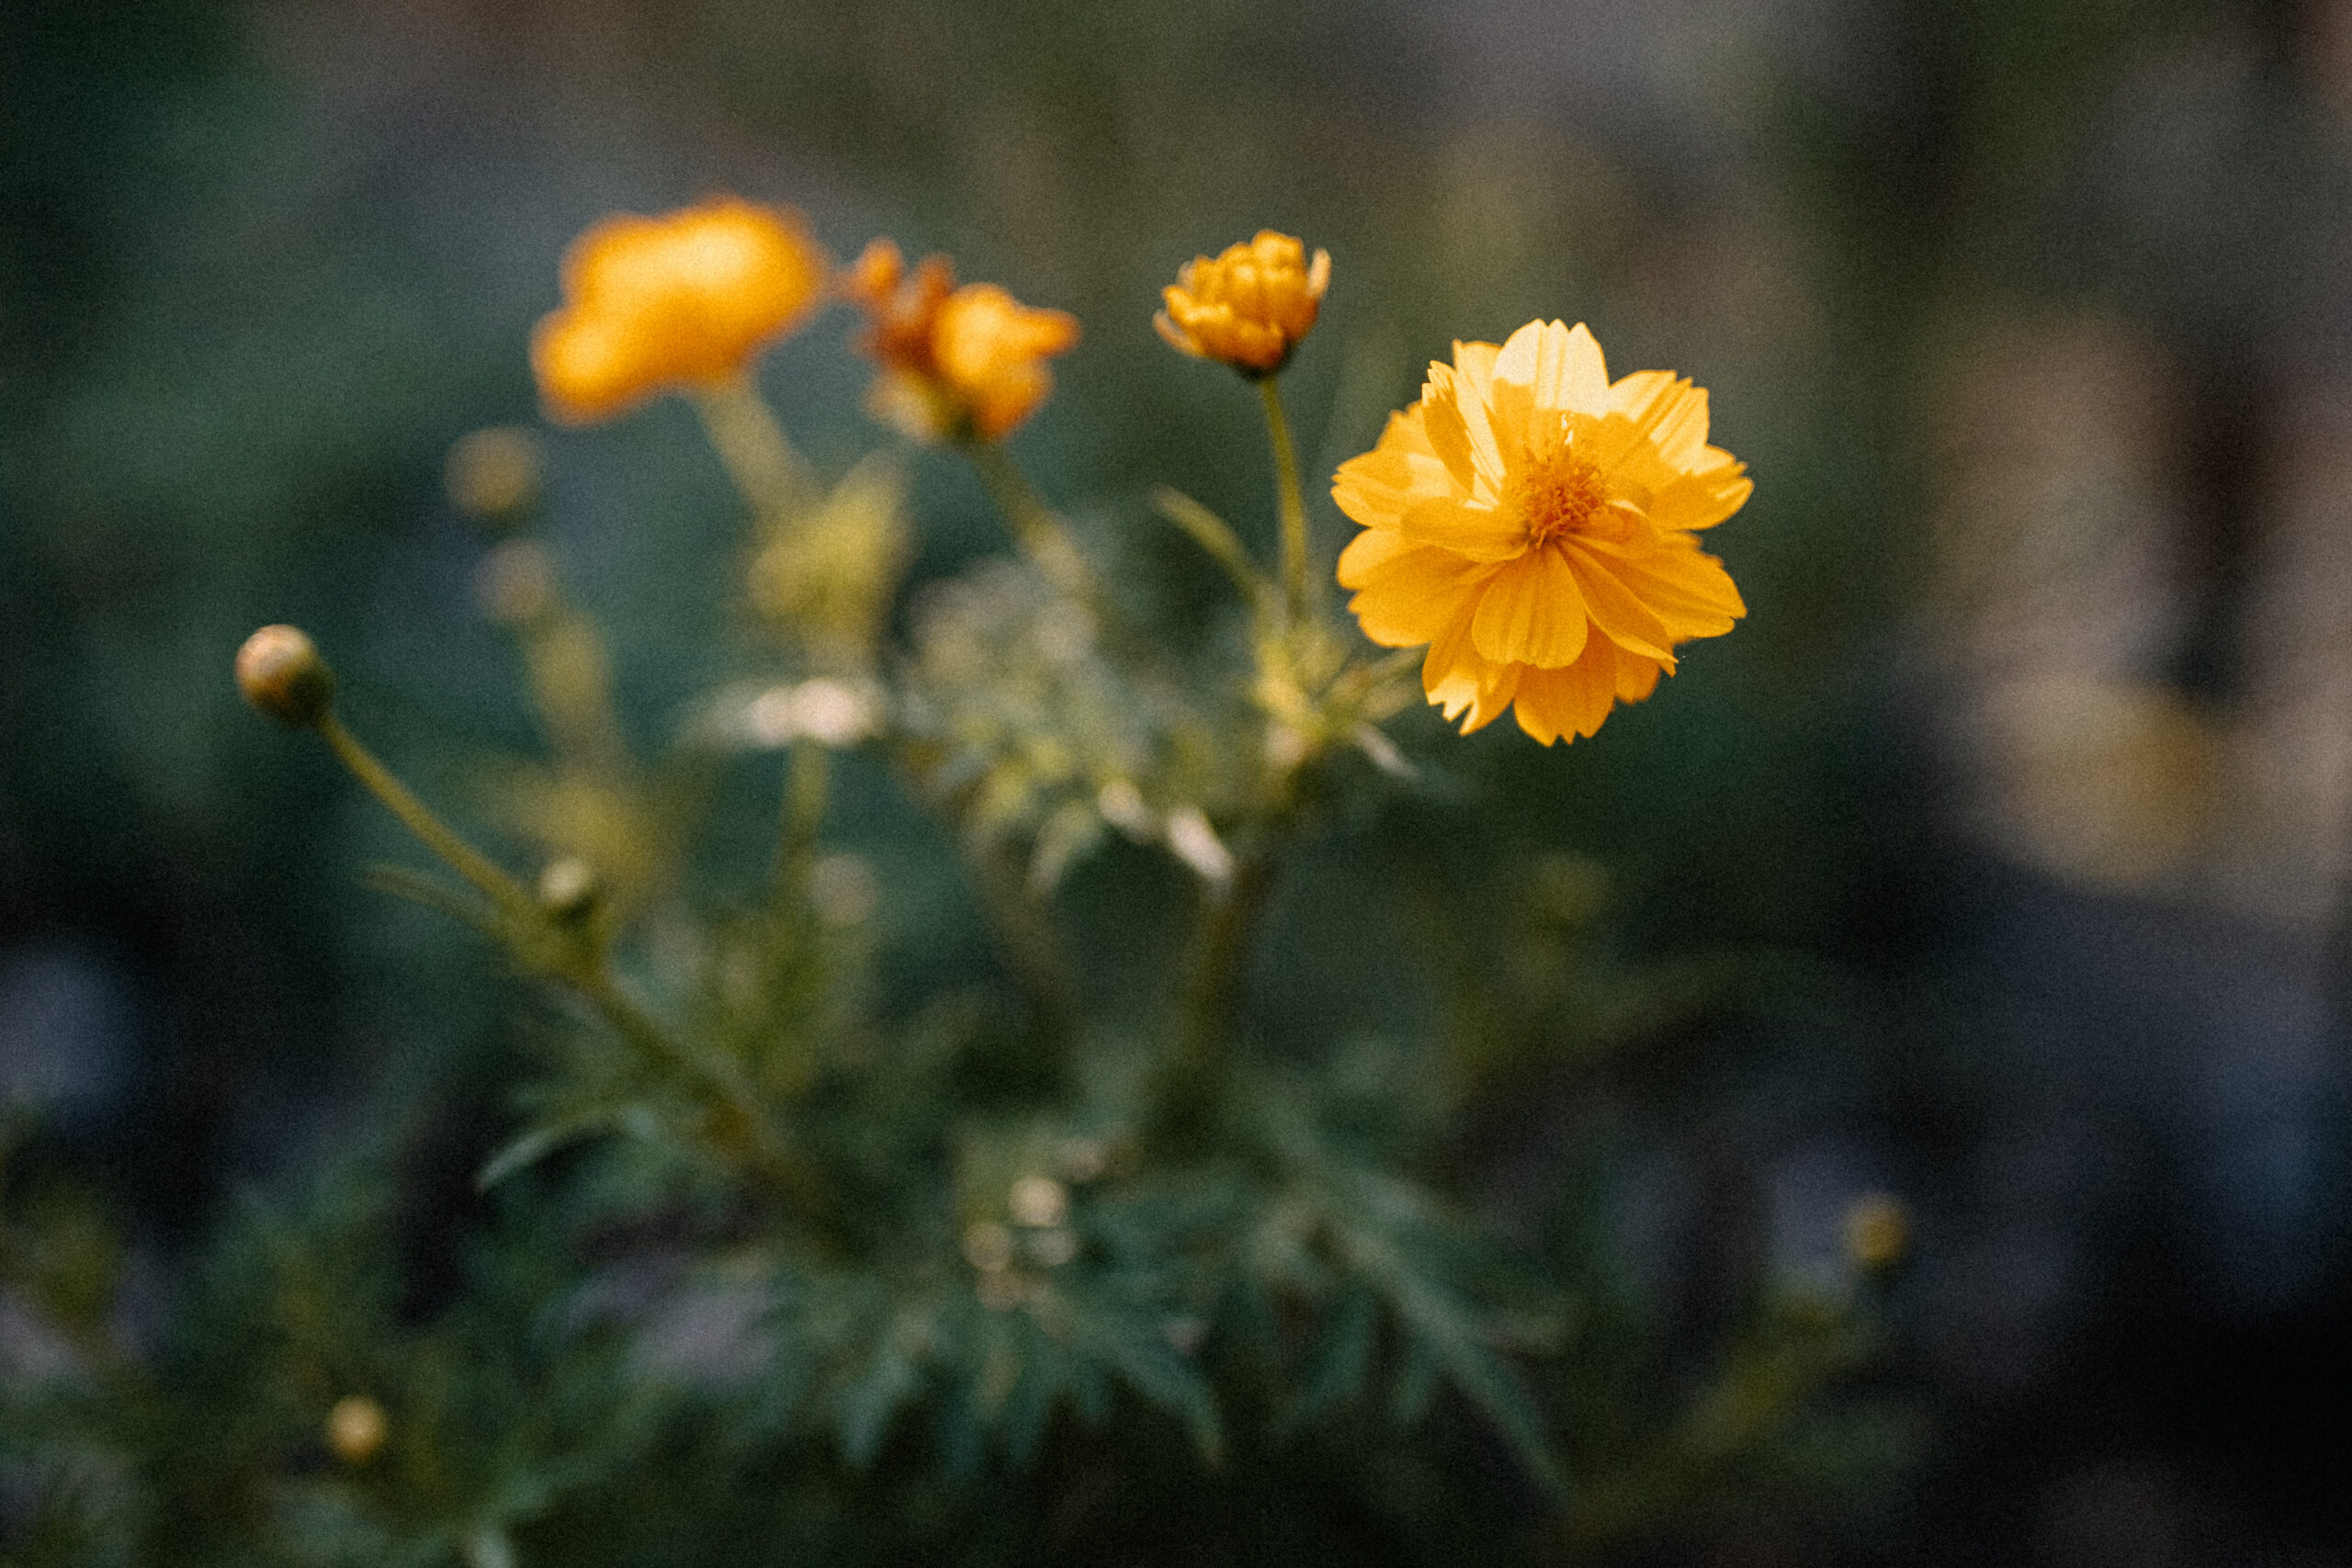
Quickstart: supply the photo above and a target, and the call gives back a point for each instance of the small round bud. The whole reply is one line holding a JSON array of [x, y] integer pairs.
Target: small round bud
[[494, 475], [356, 1428], [569, 888], [515, 585], [1038, 1200], [281, 672], [1878, 1232]]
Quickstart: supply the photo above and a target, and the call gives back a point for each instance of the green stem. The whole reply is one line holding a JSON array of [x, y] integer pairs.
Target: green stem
[[418, 819], [1220, 959], [771, 476], [1297, 586], [541, 941], [1032, 951], [807, 779], [1041, 534], [571, 684]]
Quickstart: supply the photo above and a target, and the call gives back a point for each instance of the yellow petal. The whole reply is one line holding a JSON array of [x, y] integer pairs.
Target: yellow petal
[[1688, 589], [1457, 679], [1368, 550], [1376, 488], [1702, 500], [1532, 611], [1615, 608], [1481, 533], [1636, 677], [1476, 361], [1670, 411], [1456, 420], [1411, 598], [1570, 701], [1563, 366]]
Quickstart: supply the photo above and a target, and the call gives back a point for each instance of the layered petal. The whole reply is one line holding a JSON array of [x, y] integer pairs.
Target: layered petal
[[1615, 608], [1379, 487], [1466, 527], [1561, 366], [1460, 681], [1572, 700], [1459, 429], [1534, 523], [1413, 596], [1532, 611]]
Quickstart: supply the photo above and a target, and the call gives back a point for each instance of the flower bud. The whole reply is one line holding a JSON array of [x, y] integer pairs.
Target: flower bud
[[1877, 1233], [569, 888], [1248, 307], [356, 1428], [281, 672], [494, 474]]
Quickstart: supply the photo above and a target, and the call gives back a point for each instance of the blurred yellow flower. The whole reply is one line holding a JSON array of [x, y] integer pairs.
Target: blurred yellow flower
[[1532, 522], [955, 362], [1250, 306], [686, 300]]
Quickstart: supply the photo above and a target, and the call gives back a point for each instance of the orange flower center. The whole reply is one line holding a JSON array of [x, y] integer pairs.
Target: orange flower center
[[1564, 493]]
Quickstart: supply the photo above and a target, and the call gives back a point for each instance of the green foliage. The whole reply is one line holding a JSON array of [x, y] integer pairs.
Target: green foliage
[[779, 1261]]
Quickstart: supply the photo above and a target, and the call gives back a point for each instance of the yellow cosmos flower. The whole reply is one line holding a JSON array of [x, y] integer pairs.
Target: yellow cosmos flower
[[1250, 306], [955, 362], [686, 300], [1532, 522]]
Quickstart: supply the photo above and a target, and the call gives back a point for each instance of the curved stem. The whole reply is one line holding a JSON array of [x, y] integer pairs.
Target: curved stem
[[1298, 585], [771, 476], [1041, 534], [419, 818], [539, 941]]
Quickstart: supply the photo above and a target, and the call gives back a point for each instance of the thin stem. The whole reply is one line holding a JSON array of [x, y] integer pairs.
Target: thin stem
[[541, 941], [1195, 1073], [1031, 949], [1041, 534], [1297, 586], [572, 684], [807, 779], [771, 476], [418, 818]]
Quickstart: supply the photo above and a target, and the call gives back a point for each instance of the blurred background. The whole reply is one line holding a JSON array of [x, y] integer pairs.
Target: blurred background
[[2029, 777]]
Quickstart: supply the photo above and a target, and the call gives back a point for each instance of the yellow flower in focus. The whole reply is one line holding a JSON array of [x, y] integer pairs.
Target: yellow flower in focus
[[955, 362], [686, 300], [1532, 522], [1250, 306]]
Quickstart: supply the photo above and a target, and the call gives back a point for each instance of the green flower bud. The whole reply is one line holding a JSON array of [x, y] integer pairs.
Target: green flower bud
[[281, 672]]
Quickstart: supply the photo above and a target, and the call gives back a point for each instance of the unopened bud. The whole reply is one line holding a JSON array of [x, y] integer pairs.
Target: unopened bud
[[1878, 1232], [569, 888], [281, 672], [355, 1430], [494, 474], [515, 585]]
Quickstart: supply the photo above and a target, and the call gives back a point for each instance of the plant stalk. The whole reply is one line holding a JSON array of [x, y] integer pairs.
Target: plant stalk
[[1042, 536], [1299, 588], [772, 478]]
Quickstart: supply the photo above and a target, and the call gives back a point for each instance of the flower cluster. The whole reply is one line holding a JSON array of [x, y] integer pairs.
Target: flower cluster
[[1530, 519]]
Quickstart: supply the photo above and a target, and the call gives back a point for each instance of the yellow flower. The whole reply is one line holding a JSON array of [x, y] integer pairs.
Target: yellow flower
[[955, 362], [1532, 522], [686, 300], [1250, 306]]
